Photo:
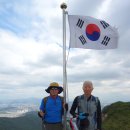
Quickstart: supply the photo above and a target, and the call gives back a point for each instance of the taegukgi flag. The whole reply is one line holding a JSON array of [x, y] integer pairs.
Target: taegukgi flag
[[91, 33]]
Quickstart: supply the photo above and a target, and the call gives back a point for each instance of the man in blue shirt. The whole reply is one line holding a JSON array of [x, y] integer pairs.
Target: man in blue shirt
[[51, 108]]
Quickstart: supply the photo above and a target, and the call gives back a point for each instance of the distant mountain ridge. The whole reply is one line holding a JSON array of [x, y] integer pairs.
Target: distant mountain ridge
[[23, 101], [15, 108]]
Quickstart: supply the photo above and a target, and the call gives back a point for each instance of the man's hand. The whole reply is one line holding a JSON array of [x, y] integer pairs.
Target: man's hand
[[65, 106], [41, 114], [82, 116]]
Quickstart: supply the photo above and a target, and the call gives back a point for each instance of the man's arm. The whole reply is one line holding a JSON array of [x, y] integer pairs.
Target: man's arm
[[73, 107], [42, 109], [99, 116]]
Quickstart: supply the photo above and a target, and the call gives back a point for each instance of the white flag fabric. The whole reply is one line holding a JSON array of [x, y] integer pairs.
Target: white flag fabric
[[91, 33]]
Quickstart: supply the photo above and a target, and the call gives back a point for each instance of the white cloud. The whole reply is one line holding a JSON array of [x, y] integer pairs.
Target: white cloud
[[31, 50], [103, 9]]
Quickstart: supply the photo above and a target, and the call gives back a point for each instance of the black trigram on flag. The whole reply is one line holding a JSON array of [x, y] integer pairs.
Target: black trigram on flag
[[104, 24], [105, 40], [82, 39], [80, 23]]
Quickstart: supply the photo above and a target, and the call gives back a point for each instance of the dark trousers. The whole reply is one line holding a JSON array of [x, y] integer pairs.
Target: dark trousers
[[49, 126]]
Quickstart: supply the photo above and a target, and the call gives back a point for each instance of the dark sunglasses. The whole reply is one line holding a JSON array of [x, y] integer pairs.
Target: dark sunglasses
[[54, 88]]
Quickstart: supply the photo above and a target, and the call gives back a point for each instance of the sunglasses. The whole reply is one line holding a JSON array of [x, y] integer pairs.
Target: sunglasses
[[54, 88]]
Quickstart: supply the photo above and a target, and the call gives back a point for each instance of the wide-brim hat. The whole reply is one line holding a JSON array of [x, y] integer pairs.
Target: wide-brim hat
[[54, 85]]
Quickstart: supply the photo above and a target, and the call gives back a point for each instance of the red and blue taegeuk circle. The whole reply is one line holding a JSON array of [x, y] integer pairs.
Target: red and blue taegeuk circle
[[92, 32]]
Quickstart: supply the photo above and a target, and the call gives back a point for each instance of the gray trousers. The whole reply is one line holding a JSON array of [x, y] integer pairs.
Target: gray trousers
[[47, 126]]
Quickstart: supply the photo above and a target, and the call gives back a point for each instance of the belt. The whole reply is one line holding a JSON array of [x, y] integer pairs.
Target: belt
[[52, 122]]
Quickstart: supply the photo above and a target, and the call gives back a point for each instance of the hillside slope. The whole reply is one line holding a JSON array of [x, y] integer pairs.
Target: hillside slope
[[116, 116], [30, 121]]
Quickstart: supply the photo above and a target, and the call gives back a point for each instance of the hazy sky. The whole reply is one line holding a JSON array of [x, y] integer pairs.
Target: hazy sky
[[31, 49]]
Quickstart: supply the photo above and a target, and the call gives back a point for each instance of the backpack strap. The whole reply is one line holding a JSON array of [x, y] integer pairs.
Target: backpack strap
[[96, 100], [45, 101], [79, 98], [62, 99]]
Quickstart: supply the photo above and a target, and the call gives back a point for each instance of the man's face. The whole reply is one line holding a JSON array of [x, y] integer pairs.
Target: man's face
[[87, 89], [54, 91]]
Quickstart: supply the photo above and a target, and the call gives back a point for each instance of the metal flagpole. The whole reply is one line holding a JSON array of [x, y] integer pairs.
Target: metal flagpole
[[63, 7]]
